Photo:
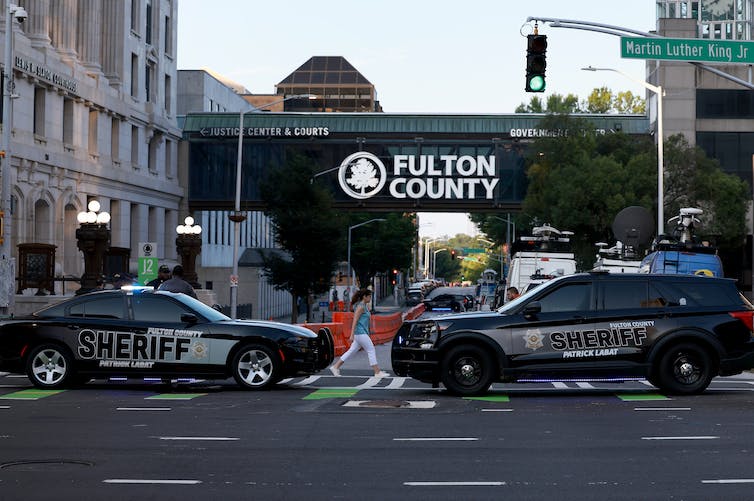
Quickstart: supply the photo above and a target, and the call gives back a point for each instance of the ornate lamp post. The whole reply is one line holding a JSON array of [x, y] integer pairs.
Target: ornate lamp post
[[93, 239], [188, 243]]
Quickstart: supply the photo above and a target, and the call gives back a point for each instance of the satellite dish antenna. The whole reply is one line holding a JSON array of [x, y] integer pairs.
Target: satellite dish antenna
[[634, 226]]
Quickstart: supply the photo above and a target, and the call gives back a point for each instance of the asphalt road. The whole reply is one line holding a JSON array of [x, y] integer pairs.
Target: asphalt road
[[358, 437]]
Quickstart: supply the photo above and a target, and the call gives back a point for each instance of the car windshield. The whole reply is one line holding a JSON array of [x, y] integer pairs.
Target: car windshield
[[207, 312]]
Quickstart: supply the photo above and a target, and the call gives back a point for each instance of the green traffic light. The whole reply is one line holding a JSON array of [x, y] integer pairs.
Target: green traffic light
[[537, 83]]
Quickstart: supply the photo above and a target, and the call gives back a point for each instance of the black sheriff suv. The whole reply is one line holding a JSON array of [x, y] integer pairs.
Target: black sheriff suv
[[676, 331]]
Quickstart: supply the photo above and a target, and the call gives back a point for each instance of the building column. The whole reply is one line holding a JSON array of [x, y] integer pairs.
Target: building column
[[113, 19], [89, 34], [63, 28], [38, 25]]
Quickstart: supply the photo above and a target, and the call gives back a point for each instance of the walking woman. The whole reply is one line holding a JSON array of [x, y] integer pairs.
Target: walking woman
[[360, 334]]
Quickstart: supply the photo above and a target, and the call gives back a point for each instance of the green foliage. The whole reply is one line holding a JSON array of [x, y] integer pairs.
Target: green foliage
[[305, 225], [556, 103], [601, 100], [381, 246]]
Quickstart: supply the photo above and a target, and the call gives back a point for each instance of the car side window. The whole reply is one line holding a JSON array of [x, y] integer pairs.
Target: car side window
[[698, 293], [100, 307], [627, 294], [156, 309], [569, 297]]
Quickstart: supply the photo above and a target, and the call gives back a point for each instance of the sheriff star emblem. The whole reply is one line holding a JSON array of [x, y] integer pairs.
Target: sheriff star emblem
[[533, 339]]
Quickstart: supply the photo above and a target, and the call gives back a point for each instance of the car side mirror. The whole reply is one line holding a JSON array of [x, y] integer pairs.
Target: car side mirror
[[532, 309], [189, 318]]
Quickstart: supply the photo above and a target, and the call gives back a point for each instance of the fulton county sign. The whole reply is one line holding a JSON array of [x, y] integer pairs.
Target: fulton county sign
[[687, 49]]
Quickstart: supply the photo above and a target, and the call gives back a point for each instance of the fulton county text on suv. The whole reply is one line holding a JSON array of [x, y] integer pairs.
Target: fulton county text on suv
[[676, 331]]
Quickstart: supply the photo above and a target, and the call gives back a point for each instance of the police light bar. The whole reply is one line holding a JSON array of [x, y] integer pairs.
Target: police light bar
[[131, 289]]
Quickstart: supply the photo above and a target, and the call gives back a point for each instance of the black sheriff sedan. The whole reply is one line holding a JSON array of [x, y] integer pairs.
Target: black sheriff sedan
[[677, 331], [140, 333]]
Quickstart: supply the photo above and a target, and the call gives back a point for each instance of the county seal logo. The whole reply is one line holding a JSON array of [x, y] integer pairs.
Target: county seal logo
[[362, 175]]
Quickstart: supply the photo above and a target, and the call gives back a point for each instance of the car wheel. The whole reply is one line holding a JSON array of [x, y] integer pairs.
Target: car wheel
[[684, 369], [256, 367], [467, 370], [50, 366]]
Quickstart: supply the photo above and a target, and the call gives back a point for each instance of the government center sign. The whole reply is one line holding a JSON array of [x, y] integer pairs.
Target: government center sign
[[374, 161]]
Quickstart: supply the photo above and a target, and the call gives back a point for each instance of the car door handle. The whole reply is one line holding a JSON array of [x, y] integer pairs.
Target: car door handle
[[74, 327]]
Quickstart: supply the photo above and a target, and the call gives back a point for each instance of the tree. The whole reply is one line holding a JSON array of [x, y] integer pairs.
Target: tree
[[305, 225], [556, 103], [380, 247], [601, 100], [626, 102]]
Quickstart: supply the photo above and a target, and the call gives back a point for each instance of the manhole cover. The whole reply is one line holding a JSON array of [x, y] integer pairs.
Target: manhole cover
[[392, 404], [385, 403], [44, 464]]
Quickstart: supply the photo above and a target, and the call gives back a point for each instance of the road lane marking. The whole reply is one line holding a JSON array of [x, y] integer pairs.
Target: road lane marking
[[175, 396], [286, 380], [730, 481], [306, 381], [30, 394], [490, 398], [700, 437], [4, 406], [637, 397], [331, 393], [150, 481], [212, 439], [143, 408], [662, 408], [559, 384], [396, 383], [453, 484], [497, 410], [436, 439], [581, 384]]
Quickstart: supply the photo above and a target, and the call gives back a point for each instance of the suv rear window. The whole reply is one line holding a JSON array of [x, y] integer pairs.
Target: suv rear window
[[698, 293]]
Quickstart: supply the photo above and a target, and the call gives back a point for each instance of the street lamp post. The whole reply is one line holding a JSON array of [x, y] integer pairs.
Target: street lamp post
[[237, 217], [188, 243], [508, 223], [434, 262], [657, 89], [93, 239], [427, 244], [7, 266], [350, 274]]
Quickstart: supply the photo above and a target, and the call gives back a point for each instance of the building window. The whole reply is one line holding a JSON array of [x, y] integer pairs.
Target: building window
[[167, 33], [154, 146], [68, 121], [149, 83], [39, 111], [135, 146], [135, 16], [93, 118], [148, 30], [168, 96], [134, 75], [169, 158], [115, 139]]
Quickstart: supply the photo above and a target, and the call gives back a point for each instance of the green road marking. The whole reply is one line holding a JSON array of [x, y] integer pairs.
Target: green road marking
[[490, 398], [331, 393], [30, 394], [175, 396], [634, 397]]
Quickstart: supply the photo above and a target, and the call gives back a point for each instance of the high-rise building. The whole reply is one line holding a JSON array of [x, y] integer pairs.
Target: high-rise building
[[94, 117]]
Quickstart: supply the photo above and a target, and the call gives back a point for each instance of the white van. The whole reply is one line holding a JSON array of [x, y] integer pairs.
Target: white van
[[541, 257]]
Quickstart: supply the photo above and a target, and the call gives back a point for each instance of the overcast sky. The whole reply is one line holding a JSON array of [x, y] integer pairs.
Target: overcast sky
[[428, 56]]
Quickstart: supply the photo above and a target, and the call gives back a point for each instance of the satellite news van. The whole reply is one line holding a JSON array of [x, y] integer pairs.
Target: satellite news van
[[682, 253], [541, 257]]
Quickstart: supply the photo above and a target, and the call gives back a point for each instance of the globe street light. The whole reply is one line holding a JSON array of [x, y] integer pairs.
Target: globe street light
[[660, 139], [93, 239], [236, 216], [7, 263], [350, 274]]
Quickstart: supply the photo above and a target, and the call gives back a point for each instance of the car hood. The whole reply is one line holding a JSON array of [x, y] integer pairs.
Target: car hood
[[468, 314], [292, 328]]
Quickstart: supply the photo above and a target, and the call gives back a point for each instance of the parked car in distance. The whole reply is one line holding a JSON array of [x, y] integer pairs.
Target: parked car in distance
[[450, 299], [414, 296], [676, 331]]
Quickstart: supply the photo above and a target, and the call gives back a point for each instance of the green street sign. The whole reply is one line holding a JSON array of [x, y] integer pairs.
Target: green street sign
[[472, 250], [147, 269], [687, 49]]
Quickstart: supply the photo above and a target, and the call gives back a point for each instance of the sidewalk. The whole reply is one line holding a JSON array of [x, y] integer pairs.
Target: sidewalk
[[385, 305]]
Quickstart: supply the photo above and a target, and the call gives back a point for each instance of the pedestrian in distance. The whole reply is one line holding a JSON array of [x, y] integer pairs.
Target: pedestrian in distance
[[359, 337], [177, 283], [512, 293], [163, 274]]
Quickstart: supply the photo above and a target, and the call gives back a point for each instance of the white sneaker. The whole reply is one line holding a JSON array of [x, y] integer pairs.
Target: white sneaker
[[382, 374], [335, 371]]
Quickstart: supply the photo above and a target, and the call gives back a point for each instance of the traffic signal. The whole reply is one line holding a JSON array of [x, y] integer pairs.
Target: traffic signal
[[453, 254], [536, 62]]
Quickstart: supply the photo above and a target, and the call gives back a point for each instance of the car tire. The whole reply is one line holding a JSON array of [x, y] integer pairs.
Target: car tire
[[467, 370], [684, 369], [50, 366], [256, 367]]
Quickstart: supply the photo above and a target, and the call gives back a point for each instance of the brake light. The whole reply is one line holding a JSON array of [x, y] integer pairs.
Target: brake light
[[747, 317]]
